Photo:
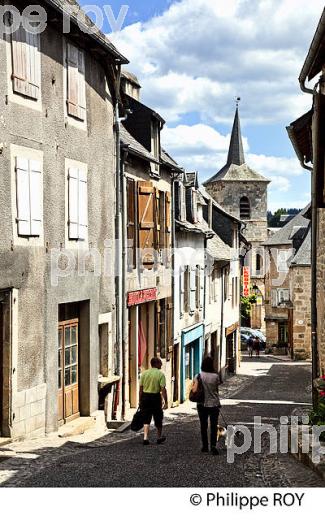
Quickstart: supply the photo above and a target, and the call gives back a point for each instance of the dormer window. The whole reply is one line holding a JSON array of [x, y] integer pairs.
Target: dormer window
[[245, 208], [155, 145]]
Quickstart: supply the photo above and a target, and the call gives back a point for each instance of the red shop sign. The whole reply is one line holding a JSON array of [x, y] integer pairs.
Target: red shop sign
[[138, 297]]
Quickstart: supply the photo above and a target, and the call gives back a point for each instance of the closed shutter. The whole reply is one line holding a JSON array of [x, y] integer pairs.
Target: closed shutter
[[193, 278], [170, 334], [76, 91], [26, 63], [181, 293], [83, 205], [146, 194], [73, 204], [168, 219], [201, 301], [274, 299], [131, 187], [78, 204], [157, 349], [183, 203], [194, 206], [177, 201], [35, 198], [29, 197], [23, 199]]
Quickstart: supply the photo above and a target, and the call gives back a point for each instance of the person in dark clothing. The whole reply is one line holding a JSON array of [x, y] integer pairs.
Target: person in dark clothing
[[257, 346], [211, 405], [250, 346]]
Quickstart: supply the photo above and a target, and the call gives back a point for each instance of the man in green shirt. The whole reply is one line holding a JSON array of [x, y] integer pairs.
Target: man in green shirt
[[153, 399]]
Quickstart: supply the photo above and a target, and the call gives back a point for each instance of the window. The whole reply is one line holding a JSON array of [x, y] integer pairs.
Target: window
[[182, 303], [245, 208], [131, 219], [180, 201], [187, 288], [259, 264], [226, 285], [76, 87], [279, 296], [155, 145], [26, 63], [193, 290], [146, 223], [78, 204], [194, 206], [29, 197], [282, 261]]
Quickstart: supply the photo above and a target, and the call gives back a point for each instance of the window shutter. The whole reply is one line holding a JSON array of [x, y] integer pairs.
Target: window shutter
[[26, 63], [181, 293], [146, 222], [158, 329], [193, 278], [183, 203], [194, 206], [73, 203], [35, 198], [81, 86], [177, 201], [201, 301], [19, 65], [170, 335], [23, 200], [274, 299], [73, 80], [168, 225], [33, 65], [83, 205], [131, 186]]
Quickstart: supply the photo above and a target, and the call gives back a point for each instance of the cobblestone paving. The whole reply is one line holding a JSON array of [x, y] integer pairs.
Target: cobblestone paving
[[120, 460]]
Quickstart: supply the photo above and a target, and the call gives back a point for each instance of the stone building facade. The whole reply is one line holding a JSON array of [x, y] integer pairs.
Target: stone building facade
[[287, 304], [57, 177], [307, 136], [243, 193]]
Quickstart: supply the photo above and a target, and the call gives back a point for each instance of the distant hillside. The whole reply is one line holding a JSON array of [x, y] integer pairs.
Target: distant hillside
[[274, 220]]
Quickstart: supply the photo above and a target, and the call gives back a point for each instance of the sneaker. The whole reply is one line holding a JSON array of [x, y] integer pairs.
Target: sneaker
[[146, 442], [161, 440], [215, 451]]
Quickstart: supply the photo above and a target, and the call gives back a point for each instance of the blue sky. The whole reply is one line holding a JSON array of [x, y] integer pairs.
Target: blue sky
[[193, 57]]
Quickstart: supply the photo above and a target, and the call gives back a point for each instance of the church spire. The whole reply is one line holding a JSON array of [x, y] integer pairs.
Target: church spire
[[236, 150]]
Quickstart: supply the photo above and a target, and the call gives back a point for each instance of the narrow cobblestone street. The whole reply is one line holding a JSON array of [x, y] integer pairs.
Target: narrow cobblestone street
[[265, 387]]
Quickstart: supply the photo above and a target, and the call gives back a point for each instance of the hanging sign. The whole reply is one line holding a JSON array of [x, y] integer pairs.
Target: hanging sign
[[139, 297], [246, 281]]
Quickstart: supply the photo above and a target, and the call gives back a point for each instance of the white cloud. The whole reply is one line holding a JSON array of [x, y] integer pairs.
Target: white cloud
[[198, 55]]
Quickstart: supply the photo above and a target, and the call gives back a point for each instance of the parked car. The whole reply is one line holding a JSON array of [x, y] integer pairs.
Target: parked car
[[247, 332]]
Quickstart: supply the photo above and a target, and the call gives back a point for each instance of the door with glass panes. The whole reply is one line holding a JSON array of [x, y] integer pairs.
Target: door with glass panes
[[68, 371]]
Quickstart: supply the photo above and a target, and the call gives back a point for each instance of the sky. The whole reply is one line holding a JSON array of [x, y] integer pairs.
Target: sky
[[194, 57]]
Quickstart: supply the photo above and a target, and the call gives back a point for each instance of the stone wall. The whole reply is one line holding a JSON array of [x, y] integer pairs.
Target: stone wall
[[300, 282]]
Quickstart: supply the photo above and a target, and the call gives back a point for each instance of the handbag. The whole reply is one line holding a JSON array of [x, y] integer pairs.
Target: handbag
[[137, 421], [197, 396]]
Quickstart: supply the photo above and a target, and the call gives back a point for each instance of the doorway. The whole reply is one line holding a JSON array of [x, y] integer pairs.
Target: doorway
[[230, 349], [68, 371], [175, 373]]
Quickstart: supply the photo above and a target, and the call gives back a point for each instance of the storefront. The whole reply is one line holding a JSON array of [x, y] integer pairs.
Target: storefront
[[191, 357]]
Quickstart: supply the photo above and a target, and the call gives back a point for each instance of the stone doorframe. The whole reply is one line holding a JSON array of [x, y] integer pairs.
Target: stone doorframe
[[6, 379]]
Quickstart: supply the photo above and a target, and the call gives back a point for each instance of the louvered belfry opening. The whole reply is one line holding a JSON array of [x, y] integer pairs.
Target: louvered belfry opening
[[245, 208]]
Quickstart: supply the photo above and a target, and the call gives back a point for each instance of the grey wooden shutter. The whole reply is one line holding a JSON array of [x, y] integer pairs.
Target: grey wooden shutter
[[33, 65], [35, 197], [81, 86], [181, 293], [23, 200], [193, 278], [201, 300], [73, 80]]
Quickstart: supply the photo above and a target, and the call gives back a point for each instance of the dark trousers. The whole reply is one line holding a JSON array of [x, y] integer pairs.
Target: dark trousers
[[204, 414]]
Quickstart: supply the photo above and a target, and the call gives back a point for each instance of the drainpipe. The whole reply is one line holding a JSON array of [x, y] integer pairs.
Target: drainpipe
[[124, 275], [314, 230]]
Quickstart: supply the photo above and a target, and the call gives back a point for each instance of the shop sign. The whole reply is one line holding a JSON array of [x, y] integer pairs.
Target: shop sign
[[144, 296], [246, 281]]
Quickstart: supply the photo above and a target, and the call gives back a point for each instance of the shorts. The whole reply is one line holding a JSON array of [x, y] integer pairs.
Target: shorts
[[151, 408]]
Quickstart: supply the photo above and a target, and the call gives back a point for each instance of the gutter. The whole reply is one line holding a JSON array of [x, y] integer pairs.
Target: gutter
[[310, 59]]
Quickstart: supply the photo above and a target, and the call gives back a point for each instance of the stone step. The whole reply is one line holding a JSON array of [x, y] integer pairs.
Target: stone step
[[77, 427]]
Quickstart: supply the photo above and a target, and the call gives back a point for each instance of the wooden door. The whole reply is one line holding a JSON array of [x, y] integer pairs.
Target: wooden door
[[175, 374], [68, 371]]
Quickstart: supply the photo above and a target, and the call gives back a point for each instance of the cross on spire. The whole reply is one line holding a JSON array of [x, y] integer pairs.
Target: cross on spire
[[236, 149]]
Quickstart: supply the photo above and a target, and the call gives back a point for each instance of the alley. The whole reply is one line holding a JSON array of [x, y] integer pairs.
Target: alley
[[267, 387]]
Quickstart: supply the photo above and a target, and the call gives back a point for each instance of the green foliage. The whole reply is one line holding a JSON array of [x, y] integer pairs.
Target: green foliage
[[273, 219], [246, 305]]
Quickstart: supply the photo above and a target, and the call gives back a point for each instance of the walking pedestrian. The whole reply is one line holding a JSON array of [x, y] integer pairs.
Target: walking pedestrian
[[153, 399], [250, 345], [257, 346], [210, 407]]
